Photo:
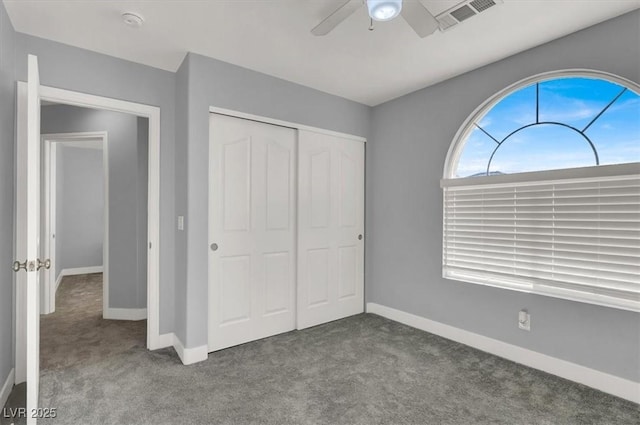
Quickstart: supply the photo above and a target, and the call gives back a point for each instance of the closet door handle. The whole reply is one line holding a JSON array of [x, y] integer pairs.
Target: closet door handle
[[214, 246]]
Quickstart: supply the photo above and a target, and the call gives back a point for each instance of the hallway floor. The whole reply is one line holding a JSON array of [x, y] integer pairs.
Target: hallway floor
[[76, 335]]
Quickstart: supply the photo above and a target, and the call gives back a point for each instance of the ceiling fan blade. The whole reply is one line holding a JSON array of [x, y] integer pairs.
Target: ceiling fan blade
[[419, 18], [339, 15]]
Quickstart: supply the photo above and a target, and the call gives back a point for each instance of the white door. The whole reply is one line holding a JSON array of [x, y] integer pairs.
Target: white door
[[330, 228], [252, 218], [28, 229]]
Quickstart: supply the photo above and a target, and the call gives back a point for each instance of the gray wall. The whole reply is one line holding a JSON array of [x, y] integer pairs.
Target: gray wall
[[182, 139], [79, 207], [80, 70], [7, 119], [127, 286], [410, 139], [210, 82]]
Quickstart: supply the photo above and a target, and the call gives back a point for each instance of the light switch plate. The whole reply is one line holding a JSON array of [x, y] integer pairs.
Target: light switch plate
[[180, 222]]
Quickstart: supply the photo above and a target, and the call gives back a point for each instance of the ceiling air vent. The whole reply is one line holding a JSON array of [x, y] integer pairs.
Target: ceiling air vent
[[482, 5], [463, 11]]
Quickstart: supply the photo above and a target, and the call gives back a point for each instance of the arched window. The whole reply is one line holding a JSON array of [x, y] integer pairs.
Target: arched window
[[562, 120], [542, 190]]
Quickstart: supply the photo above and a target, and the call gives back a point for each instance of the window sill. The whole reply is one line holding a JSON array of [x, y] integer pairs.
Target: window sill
[[540, 288]]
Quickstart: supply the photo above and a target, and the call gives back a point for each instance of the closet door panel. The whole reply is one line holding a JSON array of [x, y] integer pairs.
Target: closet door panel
[[331, 219], [277, 279], [319, 186], [273, 203], [318, 270], [278, 179], [236, 185], [235, 290], [349, 235], [252, 231], [347, 272]]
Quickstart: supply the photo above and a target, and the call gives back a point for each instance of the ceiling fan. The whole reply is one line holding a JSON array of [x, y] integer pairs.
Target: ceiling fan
[[416, 15]]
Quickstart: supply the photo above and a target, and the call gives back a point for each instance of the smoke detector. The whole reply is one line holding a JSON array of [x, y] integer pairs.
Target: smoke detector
[[133, 20]]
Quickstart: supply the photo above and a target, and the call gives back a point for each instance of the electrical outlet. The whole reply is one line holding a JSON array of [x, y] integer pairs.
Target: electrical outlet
[[180, 222], [524, 320]]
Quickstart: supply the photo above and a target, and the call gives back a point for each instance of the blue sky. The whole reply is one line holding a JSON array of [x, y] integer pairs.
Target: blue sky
[[572, 101]]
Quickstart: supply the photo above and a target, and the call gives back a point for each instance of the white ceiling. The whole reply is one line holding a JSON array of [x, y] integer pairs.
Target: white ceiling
[[273, 37]]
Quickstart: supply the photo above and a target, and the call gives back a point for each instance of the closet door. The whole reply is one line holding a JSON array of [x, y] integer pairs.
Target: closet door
[[330, 228], [252, 233]]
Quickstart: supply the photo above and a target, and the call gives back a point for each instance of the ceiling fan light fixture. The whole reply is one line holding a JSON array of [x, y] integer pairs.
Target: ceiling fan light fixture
[[384, 10]]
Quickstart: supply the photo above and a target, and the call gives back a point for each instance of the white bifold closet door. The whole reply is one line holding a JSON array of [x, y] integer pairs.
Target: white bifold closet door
[[252, 231], [330, 228]]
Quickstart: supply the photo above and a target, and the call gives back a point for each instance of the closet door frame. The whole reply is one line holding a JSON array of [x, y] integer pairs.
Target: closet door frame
[[281, 123], [293, 125]]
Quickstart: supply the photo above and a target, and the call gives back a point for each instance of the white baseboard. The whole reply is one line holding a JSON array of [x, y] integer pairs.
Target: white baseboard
[[164, 341], [81, 270], [76, 271], [187, 355], [190, 355], [605, 382], [6, 388], [58, 280], [125, 314]]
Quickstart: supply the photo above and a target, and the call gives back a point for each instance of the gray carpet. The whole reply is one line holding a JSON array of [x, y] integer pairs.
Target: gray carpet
[[76, 333], [360, 370]]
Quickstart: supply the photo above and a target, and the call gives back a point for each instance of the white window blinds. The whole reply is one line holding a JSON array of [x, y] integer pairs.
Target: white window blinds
[[576, 238]]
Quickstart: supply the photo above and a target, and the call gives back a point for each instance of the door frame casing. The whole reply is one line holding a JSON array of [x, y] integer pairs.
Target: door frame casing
[[152, 113], [49, 144]]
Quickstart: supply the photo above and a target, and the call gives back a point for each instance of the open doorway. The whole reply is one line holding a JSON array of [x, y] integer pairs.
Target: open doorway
[[75, 208], [149, 245], [30, 94], [95, 169]]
